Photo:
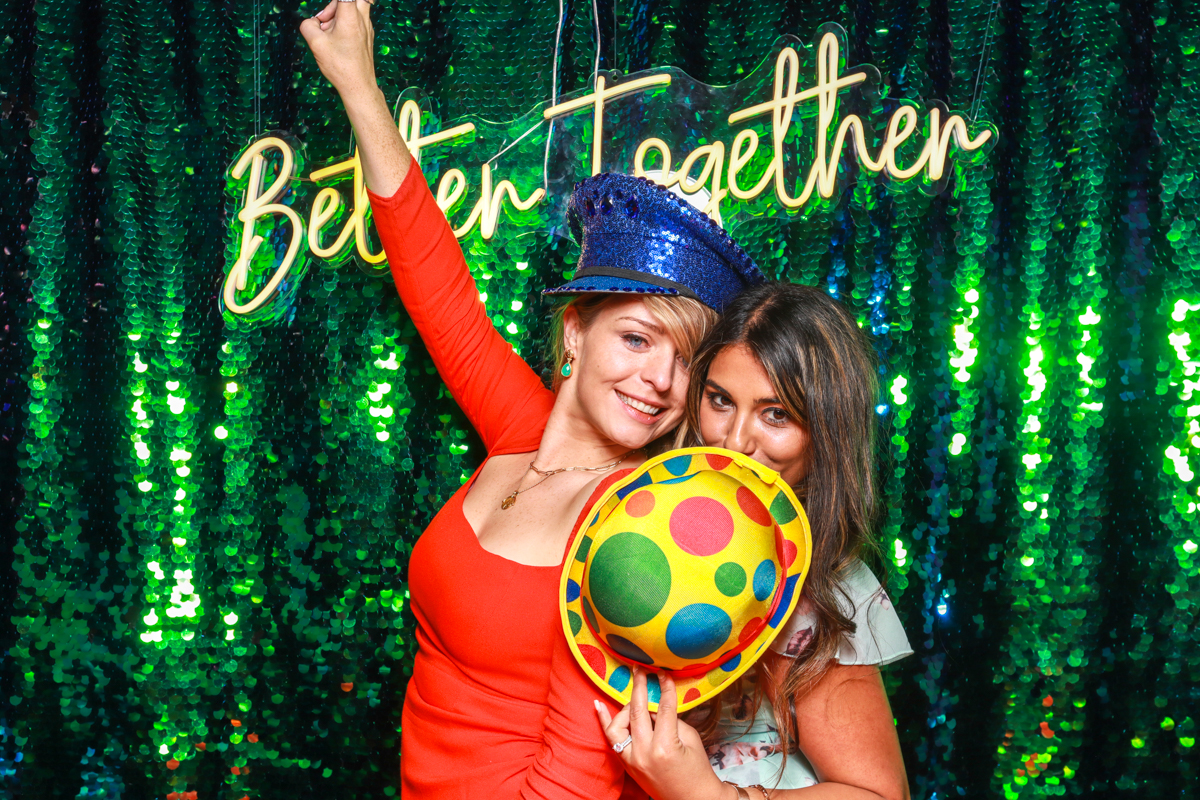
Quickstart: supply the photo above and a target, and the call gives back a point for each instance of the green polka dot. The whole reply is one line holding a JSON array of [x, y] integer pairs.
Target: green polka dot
[[576, 622], [782, 509], [629, 580], [731, 579], [584, 546]]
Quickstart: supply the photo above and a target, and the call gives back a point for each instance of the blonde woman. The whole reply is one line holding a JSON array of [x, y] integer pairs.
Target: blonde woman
[[495, 700]]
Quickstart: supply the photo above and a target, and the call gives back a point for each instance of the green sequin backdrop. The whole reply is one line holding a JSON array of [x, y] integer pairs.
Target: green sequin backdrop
[[1035, 320]]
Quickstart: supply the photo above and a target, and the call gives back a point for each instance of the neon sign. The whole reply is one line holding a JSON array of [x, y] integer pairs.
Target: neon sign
[[621, 124]]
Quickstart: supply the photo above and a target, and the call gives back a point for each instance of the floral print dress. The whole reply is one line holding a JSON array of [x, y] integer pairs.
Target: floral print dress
[[749, 752]]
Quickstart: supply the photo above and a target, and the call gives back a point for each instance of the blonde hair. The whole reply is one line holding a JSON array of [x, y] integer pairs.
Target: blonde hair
[[685, 320]]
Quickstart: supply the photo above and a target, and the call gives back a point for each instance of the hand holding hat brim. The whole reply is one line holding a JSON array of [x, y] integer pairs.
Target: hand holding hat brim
[[666, 756]]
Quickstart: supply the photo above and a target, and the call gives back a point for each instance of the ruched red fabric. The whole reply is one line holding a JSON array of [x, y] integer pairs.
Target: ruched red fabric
[[497, 707]]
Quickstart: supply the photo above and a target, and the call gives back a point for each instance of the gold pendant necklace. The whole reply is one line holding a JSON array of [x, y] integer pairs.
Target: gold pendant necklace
[[511, 500]]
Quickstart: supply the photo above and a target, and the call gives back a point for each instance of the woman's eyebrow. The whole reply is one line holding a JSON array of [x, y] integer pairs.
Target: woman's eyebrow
[[651, 325], [762, 401]]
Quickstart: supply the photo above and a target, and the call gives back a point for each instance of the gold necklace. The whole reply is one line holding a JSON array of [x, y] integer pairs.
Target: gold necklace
[[546, 474]]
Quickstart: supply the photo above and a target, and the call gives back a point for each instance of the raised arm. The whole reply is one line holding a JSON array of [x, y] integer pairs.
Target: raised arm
[[497, 390], [343, 42]]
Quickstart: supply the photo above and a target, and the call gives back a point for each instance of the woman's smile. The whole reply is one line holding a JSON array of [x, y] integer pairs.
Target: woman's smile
[[644, 411]]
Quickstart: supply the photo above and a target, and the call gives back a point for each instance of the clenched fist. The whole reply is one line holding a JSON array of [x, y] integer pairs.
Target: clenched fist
[[343, 42]]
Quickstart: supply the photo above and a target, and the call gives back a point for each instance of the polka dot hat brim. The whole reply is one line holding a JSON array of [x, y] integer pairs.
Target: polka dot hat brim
[[629, 534]]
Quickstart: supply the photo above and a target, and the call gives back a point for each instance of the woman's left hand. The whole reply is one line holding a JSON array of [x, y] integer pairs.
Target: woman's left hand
[[666, 756]]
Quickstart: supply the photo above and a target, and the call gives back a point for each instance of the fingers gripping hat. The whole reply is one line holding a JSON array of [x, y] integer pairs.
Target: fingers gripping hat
[[688, 567], [636, 236]]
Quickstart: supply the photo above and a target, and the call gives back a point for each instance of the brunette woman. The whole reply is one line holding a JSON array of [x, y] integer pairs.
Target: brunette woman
[[493, 705], [788, 378]]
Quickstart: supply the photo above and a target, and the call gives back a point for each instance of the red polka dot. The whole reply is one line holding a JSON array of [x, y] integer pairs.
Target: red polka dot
[[751, 629], [789, 554], [752, 507], [692, 694], [718, 462], [785, 548], [701, 526], [640, 504], [594, 658]]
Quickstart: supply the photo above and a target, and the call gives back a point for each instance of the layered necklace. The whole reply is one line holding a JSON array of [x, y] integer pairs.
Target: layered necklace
[[546, 474]]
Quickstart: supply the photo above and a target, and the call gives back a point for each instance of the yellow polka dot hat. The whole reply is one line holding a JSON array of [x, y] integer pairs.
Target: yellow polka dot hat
[[688, 567]]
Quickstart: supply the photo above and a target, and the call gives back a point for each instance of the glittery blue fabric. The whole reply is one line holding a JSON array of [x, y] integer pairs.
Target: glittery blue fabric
[[635, 236]]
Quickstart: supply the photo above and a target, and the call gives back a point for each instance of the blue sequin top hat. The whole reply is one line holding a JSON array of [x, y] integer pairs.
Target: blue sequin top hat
[[636, 236]]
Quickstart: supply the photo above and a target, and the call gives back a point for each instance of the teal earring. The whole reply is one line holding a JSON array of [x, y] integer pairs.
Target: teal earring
[[566, 367]]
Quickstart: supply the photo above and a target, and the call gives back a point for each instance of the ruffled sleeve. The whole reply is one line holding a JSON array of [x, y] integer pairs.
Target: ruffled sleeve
[[879, 637]]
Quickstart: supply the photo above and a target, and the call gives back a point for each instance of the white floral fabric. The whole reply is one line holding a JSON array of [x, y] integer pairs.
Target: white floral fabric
[[750, 751]]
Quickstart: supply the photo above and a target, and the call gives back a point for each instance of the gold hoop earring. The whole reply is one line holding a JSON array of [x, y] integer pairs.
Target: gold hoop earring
[[566, 367]]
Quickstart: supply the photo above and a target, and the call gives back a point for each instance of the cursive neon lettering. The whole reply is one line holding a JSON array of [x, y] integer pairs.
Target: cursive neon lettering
[[487, 208], [721, 167], [906, 115], [259, 203], [410, 130], [745, 144], [599, 96], [357, 224], [669, 179], [714, 168]]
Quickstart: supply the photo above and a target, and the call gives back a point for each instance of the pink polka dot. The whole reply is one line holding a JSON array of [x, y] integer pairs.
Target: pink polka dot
[[692, 694], [718, 462], [640, 504], [701, 526], [594, 658], [751, 629], [752, 507]]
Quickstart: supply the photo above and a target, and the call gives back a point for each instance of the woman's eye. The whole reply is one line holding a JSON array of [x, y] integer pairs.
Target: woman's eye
[[776, 416], [718, 400], [635, 341]]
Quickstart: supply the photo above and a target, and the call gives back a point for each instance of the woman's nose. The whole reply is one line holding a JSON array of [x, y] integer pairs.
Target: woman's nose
[[739, 437], [661, 372]]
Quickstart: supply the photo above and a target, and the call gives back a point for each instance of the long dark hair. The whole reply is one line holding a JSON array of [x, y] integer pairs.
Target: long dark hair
[[825, 373]]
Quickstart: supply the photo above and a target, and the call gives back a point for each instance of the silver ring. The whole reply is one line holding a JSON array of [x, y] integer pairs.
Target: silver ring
[[622, 745]]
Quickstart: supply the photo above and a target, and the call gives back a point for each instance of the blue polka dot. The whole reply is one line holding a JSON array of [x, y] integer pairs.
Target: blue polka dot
[[572, 591], [684, 479], [619, 679], [764, 580], [732, 664], [698, 630], [678, 465], [785, 601], [642, 480], [628, 649], [653, 691]]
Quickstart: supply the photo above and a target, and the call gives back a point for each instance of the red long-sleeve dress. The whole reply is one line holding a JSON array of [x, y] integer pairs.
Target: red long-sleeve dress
[[497, 707]]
